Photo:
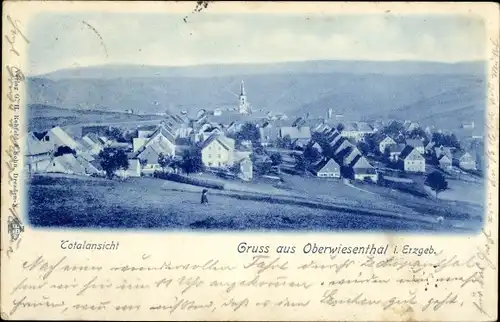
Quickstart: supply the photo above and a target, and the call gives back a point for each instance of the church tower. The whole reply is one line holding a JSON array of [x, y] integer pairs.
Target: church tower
[[243, 106]]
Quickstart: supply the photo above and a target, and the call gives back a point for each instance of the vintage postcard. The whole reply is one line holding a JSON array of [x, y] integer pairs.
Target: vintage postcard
[[249, 161]]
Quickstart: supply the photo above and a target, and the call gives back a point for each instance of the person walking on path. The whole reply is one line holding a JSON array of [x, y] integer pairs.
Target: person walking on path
[[204, 198]]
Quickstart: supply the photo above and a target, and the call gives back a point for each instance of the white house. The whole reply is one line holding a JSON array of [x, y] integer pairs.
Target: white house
[[66, 163], [161, 141], [327, 168], [445, 162], [218, 151], [363, 170], [413, 161], [38, 154], [464, 160], [385, 143]]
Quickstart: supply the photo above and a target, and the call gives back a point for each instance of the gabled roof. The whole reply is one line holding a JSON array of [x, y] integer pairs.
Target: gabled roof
[[444, 158], [342, 144], [360, 162], [94, 138], [409, 150], [303, 132], [327, 165], [387, 138], [69, 162], [64, 137], [349, 158], [226, 142], [460, 154], [36, 147]]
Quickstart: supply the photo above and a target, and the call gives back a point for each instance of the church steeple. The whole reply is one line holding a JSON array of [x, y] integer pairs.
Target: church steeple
[[243, 106], [242, 92]]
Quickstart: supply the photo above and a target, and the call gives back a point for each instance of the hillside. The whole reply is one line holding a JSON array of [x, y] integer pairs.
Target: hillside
[[43, 117], [301, 67], [437, 94]]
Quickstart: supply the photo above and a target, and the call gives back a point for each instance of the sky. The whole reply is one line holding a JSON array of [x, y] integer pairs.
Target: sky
[[75, 40]]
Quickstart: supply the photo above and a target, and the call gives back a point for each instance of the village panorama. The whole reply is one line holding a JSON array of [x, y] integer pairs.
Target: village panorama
[[243, 168]]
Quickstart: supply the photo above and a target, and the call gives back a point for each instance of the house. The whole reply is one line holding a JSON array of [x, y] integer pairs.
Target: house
[[411, 126], [445, 162], [444, 150], [161, 140], [93, 143], [385, 143], [92, 167], [268, 134], [133, 170], [217, 112], [363, 170], [327, 168], [38, 154], [341, 144], [66, 163], [356, 130], [464, 160], [321, 128], [57, 137], [218, 151], [298, 135], [417, 144], [395, 151], [245, 169], [413, 161]]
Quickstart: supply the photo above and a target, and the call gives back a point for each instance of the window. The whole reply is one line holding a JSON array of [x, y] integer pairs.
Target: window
[[209, 155], [47, 138], [219, 156]]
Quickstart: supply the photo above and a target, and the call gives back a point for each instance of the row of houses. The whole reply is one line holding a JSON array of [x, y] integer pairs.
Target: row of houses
[[447, 157], [340, 153], [217, 151]]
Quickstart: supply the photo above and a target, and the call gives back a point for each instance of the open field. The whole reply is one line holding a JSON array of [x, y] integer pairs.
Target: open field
[[134, 203]]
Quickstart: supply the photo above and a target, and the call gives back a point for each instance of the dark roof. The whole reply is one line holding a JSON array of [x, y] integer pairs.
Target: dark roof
[[406, 152]]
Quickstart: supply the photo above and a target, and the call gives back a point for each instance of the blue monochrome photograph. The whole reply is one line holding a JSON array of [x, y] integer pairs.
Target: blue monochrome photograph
[[256, 122]]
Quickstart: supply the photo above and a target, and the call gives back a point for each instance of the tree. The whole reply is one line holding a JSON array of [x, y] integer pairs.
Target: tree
[[250, 132], [437, 182], [276, 160], [165, 161], [115, 134], [112, 159], [64, 150], [284, 142], [308, 157], [340, 127], [191, 161]]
